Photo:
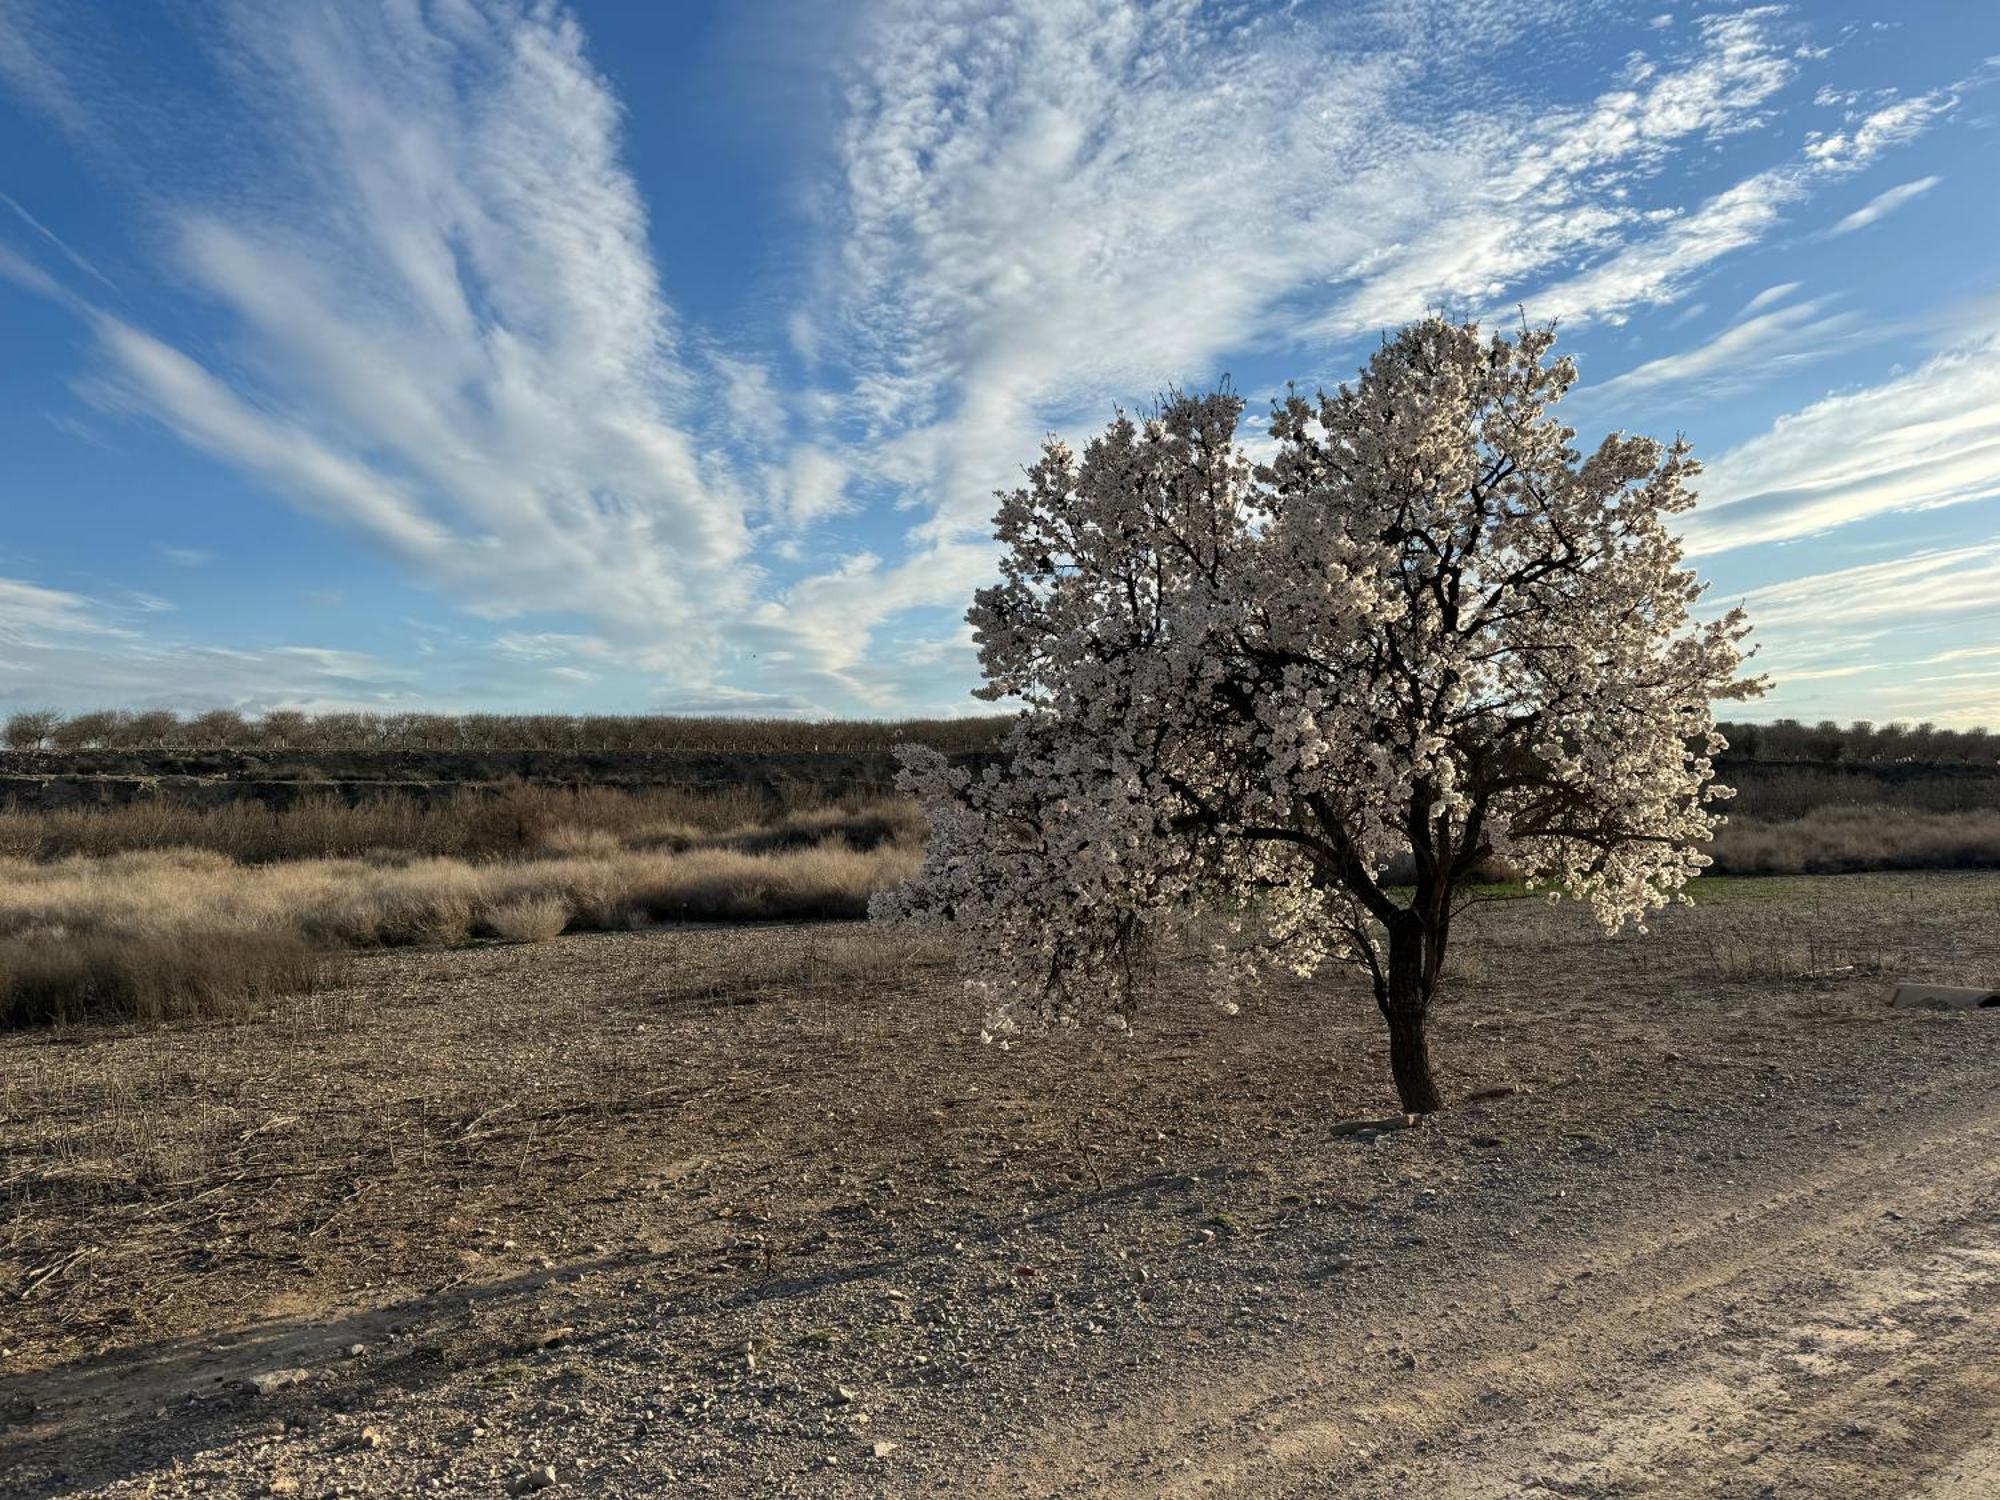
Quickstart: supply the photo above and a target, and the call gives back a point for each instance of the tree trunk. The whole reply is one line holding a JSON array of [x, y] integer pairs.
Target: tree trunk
[[1405, 1003], [1410, 1062]]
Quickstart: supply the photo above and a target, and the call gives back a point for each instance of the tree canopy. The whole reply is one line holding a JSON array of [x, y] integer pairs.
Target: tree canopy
[[1426, 628]]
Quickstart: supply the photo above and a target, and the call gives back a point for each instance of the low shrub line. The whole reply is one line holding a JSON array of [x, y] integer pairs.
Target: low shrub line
[[41, 729], [161, 933], [510, 821], [1849, 840], [286, 729], [150, 936]]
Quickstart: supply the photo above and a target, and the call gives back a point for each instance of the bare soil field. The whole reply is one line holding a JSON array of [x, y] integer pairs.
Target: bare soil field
[[752, 1211]]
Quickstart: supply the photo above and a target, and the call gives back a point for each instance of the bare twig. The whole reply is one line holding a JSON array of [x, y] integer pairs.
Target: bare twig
[[44, 1274]]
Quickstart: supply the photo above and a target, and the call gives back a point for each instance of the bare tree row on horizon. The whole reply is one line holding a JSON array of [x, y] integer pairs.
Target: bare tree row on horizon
[[47, 730]]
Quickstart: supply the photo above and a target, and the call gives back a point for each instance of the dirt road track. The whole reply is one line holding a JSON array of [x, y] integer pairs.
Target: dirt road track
[[1836, 1337]]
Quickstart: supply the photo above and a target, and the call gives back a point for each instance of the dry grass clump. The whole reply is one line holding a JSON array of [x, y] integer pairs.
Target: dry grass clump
[[532, 919], [54, 975], [721, 885], [867, 826], [314, 828], [222, 923], [1846, 840], [386, 903], [158, 935]]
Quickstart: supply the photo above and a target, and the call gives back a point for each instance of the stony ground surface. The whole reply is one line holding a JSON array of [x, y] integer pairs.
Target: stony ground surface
[[740, 1212]]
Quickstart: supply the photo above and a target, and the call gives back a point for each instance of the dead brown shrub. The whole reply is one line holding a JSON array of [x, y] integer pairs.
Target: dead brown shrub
[[58, 976], [1848, 840], [531, 919]]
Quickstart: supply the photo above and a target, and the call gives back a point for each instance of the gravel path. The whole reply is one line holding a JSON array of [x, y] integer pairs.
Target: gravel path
[[1827, 1327]]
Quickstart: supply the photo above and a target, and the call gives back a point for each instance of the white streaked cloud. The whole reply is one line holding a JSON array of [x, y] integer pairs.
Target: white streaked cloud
[[61, 245], [156, 378], [445, 330], [1660, 267], [1927, 438], [84, 652], [1755, 346], [823, 622], [809, 485], [1834, 642], [1944, 581], [31, 612], [25, 274], [1883, 204], [1528, 191], [1770, 294], [1963, 702], [1824, 674], [33, 50], [1871, 134], [1962, 653], [1036, 210]]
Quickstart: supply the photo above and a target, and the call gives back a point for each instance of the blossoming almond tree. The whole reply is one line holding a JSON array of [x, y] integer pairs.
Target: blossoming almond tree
[[1427, 634]]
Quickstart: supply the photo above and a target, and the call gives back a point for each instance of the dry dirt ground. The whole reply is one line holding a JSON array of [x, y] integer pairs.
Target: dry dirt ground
[[753, 1212]]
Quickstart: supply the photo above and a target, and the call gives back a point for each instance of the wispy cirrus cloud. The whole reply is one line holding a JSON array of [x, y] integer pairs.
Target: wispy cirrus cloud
[[63, 247], [1870, 133], [1926, 438], [444, 330], [103, 652], [1079, 201], [1770, 334], [1542, 187], [1659, 267], [36, 60], [1935, 581], [1883, 204], [1961, 653], [30, 612], [1844, 624]]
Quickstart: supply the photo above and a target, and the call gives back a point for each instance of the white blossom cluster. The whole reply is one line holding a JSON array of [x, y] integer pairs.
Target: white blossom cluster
[[1429, 629]]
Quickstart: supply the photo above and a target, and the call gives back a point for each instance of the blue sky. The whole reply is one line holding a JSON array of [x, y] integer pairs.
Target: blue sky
[[664, 357]]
